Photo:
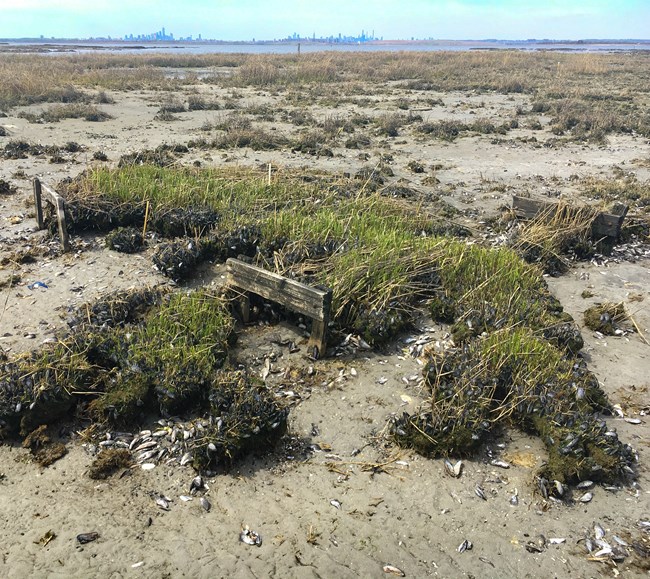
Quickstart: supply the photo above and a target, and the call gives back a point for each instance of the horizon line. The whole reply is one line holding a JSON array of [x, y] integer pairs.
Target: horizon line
[[318, 40]]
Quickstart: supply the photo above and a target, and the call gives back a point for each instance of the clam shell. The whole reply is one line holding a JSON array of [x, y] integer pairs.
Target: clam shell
[[250, 537], [453, 469], [586, 498]]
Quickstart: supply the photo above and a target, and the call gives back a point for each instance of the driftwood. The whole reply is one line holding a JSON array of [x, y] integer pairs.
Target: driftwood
[[59, 205], [312, 302], [602, 225]]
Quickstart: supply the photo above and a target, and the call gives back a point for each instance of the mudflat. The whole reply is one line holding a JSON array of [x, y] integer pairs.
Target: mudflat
[[450, 135]]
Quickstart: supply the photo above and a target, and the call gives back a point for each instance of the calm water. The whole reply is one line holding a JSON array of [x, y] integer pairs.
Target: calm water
[[292, 47]]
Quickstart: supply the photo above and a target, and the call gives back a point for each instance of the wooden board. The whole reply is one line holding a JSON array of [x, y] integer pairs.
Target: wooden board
[[299, 297], [310, 301]]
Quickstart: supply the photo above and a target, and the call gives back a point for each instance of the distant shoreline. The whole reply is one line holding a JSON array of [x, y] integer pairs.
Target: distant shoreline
[[286, 46], [307, 41]]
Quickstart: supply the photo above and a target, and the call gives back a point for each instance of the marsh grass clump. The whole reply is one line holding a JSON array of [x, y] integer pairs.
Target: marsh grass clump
[[513, 377], [159, 156], [199, 103], [445, 130], [57, 113], [124, 356], [606, 318], [494, 289], [554, 236]]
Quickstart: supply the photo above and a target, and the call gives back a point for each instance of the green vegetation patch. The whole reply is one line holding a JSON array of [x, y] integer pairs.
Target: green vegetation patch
[[513, 377], [135, 353]]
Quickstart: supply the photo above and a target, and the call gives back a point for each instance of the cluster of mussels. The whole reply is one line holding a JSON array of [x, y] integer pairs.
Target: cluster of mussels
[[241, 416], [178, 259], [139, 352], [474, 391]]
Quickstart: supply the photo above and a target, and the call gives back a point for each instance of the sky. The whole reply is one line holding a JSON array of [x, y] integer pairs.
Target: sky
[[276, 19]]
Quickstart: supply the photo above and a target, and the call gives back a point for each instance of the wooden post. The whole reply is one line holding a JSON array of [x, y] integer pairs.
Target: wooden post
[[38, 203], [245, 304], [59, 205]]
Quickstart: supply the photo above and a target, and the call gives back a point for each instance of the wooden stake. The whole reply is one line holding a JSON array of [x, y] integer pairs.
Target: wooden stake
[[146, 217]]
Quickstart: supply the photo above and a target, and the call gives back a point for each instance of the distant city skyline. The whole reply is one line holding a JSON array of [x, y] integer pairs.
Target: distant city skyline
[[277, 19]]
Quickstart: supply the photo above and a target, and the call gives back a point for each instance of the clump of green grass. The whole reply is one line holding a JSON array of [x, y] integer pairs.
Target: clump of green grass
[[514, 377], [57, 113], [124, 352]]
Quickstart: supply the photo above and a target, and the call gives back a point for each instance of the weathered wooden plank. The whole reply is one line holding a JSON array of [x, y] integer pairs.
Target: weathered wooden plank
[[603, 224], [527, 208], [313, 302], [318, 336], [310, 301], [38, 203], [59, 205]]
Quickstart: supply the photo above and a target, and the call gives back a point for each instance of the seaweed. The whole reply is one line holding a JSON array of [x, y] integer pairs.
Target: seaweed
[[109, 461]]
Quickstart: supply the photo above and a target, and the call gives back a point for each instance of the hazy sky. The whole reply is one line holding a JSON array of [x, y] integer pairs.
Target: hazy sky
[[268, 19]]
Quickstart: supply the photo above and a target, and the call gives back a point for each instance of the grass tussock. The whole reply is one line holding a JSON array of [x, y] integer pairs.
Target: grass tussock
[[514, 377], [562, 230], [57, 113]]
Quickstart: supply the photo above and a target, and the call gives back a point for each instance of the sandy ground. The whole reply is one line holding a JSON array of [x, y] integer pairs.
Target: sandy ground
[[334, 500]]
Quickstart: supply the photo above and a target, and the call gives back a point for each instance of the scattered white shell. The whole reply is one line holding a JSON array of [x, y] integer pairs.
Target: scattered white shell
[[250, 537], [453, 469], [336, 504], [393, 570], [557, 540], [586, 497], [148, 466], [633, 420]]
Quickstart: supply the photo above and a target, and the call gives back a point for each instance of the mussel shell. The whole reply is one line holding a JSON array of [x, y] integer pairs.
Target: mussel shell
[[84, 538]]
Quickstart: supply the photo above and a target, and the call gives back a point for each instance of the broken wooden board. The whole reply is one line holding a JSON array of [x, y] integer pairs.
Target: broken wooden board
[[312, 302], [602, 225]]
